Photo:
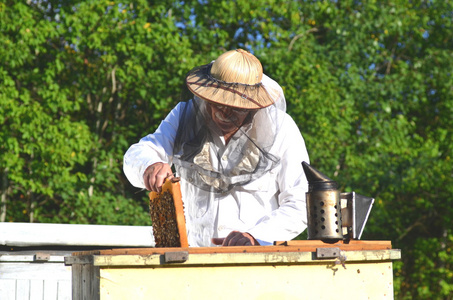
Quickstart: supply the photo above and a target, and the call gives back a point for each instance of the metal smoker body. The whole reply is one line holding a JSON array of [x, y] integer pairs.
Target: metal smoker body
[[332, 215]]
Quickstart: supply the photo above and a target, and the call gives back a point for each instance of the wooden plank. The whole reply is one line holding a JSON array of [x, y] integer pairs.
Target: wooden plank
[[291, 246], [64, 290], [179, 210], [85, 282], [36, 289], [7, 288], [77, 281], [50, 290], [235, 259], [344, 245], [10, 258], [51, 271], [22, 289], [41, 234]]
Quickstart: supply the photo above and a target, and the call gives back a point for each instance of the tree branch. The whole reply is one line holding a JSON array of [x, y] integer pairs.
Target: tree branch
[[295, 38]]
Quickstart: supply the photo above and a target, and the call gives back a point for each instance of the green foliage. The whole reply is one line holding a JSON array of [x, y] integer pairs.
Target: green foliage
[[368, 83]]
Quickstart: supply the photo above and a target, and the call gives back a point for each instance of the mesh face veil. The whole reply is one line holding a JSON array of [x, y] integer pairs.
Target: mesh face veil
[[255, 111]]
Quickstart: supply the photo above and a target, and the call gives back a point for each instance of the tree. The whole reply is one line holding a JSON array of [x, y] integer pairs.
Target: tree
[[75, 80], [368, 83]]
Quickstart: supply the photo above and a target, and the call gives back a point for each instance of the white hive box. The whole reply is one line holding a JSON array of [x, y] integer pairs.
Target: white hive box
[[32, 255]]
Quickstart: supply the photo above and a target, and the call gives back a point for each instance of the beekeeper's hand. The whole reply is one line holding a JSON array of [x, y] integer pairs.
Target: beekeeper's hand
[[155, 176], [236, 238]]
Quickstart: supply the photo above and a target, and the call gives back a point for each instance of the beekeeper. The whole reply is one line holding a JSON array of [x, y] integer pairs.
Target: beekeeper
[[238, 154]]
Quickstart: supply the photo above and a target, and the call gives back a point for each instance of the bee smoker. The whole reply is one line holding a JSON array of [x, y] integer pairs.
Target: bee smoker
[[333, 216]]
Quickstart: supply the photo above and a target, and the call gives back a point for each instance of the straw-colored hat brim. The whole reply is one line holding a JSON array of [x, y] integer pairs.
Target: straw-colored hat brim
[[202, 84]]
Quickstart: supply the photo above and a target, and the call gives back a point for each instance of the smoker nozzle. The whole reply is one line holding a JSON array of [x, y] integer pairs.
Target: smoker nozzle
[[317, 181]]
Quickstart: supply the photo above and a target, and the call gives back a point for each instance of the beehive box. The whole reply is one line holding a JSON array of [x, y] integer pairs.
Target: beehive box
[[293, 270], [35, 275], [32, 255]]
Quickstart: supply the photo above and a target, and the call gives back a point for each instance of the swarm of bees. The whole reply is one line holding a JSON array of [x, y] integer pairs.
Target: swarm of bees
[[163, 218], [167, 216]]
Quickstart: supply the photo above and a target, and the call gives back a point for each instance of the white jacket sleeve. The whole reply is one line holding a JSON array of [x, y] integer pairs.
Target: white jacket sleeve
[[153, 148]]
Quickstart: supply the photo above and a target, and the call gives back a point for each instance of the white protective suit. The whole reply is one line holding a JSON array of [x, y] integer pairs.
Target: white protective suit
[[270, 208]]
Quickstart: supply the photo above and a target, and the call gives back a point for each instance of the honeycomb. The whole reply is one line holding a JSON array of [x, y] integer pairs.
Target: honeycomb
[[167, 216]]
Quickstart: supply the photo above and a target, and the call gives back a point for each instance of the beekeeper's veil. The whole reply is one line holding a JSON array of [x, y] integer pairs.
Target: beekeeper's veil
[[255, 105]]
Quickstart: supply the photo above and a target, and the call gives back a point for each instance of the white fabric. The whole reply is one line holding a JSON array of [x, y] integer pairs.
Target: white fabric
[[271, 208]]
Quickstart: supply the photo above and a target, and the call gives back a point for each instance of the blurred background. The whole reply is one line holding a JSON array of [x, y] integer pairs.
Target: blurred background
[[369, 84]]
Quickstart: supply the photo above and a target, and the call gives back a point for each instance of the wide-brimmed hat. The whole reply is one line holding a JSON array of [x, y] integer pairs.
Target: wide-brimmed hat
[[233, 79]]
